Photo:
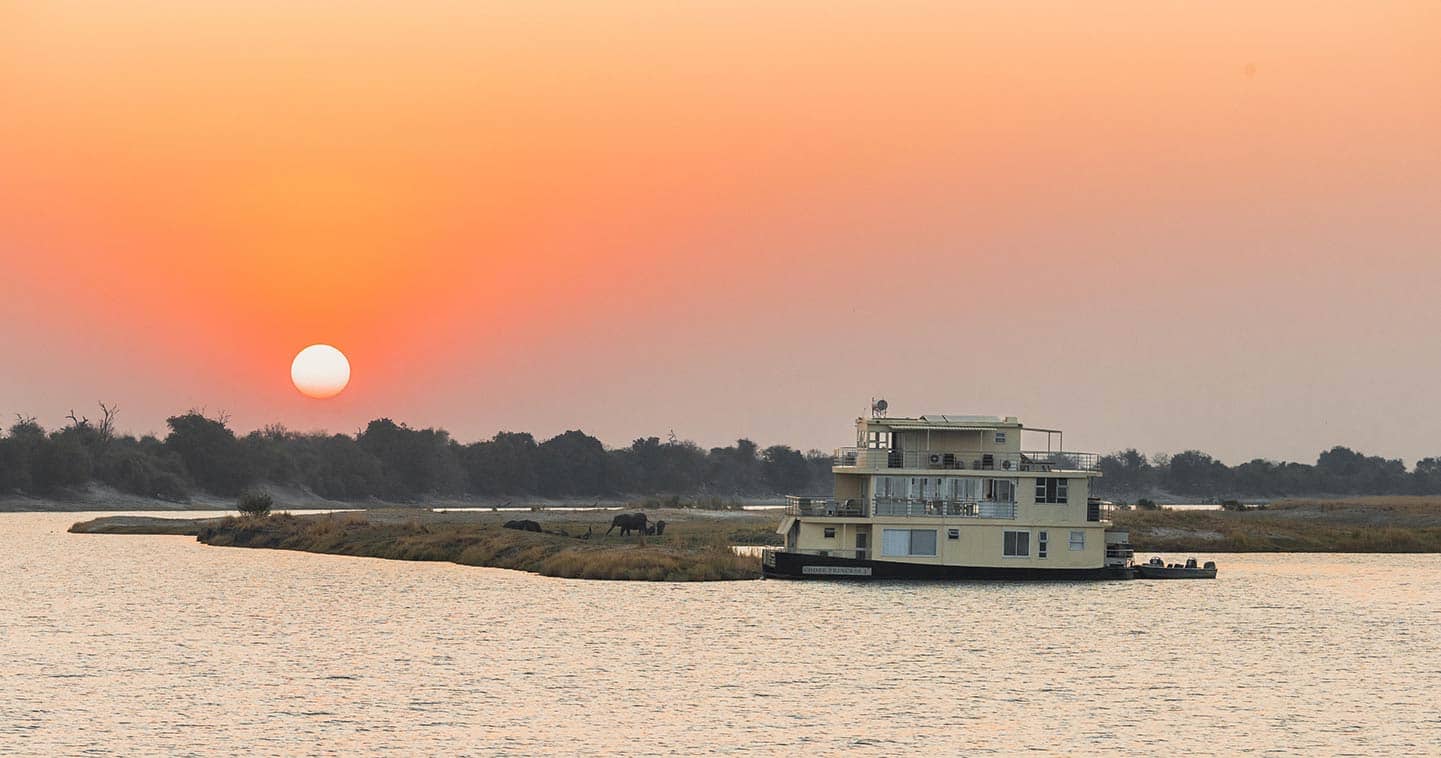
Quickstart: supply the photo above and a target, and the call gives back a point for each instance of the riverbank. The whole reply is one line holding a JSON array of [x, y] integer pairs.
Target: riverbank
[[1360, 525], [694, 547]]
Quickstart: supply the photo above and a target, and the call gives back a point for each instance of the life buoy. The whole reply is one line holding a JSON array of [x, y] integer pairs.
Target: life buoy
[[1006, 465], [935, 458]]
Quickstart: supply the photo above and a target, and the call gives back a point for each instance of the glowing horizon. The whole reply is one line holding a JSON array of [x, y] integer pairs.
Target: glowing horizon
[[732, 220]]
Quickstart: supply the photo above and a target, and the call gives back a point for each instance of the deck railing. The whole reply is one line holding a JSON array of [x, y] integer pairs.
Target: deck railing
[[956, 508], [964, 460], [800, 505], [797, 505]]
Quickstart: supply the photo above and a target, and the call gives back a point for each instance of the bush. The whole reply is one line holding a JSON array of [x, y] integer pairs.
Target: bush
[[1146, 504], [255, 503], [1232, 505]]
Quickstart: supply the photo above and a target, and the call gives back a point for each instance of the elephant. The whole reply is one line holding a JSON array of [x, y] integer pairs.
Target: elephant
[[656, 529], [628, 522], [525, 525]]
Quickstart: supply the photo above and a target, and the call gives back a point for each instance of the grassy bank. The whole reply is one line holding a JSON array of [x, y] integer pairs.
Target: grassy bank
[[695, 549], [144, 525], [1362, 525]]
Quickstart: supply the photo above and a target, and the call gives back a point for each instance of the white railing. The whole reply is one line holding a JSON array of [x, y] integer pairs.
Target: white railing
[[956, 508], [797, 505], [963, 460]]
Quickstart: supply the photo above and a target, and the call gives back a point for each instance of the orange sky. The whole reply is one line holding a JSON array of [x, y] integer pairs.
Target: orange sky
[[1160, 225]]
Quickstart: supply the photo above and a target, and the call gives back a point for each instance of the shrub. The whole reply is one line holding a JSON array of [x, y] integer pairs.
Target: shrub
[[255, 503], [1146, 504]]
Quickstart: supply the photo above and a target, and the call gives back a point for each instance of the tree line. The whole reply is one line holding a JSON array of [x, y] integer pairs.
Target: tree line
[[1338, 471], [388, 461], [391, 461]]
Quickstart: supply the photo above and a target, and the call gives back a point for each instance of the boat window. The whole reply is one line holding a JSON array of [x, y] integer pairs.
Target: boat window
[[1078, 540], [1040, 544], [1000, 438], [878, 440], [1051, 490], [830, 532], [1017, 544], [908, 542], [1001, 490], [957, 488]]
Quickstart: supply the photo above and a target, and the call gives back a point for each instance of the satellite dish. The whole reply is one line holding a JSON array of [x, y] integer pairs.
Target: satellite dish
[[878, 408]]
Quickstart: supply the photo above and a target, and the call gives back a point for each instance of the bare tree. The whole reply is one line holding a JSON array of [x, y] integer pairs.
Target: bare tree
[[107, 421]]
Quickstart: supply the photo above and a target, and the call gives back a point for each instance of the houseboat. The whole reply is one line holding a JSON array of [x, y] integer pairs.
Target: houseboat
[[952, 497]]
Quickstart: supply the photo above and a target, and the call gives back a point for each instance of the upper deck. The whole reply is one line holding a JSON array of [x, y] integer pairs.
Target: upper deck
[[852, 460], [955, 443]]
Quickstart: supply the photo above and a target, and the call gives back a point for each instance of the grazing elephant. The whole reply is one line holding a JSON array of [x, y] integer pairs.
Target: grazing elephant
[[659, 528], [524, 525], [628, 522]]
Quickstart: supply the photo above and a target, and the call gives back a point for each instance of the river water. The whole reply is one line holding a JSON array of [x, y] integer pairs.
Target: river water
[[139, 644]]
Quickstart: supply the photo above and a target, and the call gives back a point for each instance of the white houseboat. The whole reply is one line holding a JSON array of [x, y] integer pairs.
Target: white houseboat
[[952, 497]]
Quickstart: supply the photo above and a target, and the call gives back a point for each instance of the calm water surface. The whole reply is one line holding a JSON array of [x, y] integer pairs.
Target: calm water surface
[[151, 644]]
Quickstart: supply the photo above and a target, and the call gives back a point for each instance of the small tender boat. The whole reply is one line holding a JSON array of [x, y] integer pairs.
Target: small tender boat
[[1159, 569]]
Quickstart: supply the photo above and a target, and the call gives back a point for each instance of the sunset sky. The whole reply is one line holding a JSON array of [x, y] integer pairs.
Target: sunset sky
[[1154, 224]]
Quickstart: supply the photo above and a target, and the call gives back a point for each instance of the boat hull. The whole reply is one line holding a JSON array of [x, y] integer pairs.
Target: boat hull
[[779, 564]]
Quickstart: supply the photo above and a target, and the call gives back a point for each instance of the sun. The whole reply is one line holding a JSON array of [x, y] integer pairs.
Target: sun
[[320, 371]]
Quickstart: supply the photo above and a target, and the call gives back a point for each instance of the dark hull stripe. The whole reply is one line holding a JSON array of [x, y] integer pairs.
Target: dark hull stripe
[[782, 565]]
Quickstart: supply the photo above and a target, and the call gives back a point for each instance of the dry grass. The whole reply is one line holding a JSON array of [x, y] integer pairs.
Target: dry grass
[[142, 525], [1361, 525], [688, 552]]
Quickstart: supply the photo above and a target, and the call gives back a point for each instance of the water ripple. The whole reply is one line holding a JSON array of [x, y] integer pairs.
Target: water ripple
[[140, 645]]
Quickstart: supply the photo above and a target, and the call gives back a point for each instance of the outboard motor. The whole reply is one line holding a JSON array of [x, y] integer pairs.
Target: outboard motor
[[1211, 565], [1190, 563]]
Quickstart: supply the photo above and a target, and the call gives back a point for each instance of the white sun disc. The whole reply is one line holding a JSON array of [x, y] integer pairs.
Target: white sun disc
[[320, 371]]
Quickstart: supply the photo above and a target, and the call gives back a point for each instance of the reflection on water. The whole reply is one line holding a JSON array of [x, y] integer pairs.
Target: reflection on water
[[146, 644]]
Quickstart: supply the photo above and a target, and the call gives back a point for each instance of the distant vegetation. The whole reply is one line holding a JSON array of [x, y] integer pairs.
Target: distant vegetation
[[394, 462], [1338, 471]]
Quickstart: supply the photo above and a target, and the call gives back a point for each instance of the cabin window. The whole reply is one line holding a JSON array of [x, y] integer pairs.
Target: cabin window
[[953, 534], [878, 440], [1040, 544], [830, 532], [1017, 544], [1000, 438], [908, 542], [1052, 490], [961, 488], [1078, 540], [1001, 490]]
